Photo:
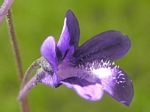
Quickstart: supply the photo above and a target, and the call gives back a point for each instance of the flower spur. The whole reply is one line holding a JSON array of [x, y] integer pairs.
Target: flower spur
[[88, 69]]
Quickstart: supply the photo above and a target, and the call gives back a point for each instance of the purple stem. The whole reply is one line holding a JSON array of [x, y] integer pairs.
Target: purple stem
[[32, 67], [24, 102], [24, 91]]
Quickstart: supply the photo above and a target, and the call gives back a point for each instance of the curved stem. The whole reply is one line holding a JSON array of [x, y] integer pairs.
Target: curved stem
[[25, 89], [24, 102], [29, 72]]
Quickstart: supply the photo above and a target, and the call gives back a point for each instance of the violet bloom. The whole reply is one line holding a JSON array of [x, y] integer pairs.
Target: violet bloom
[[88, 69], [4, 9]]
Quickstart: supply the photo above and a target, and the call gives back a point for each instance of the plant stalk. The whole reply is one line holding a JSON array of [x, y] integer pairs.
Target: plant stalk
[[24, 102]]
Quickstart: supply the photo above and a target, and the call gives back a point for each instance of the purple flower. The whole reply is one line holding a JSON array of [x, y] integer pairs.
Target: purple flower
[[88, 69], [4, 9]]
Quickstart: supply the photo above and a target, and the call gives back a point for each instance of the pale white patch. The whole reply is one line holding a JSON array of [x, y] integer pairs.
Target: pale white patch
[[64, 27], [63, 43], [64, 35], [105, 75], [102, 72]]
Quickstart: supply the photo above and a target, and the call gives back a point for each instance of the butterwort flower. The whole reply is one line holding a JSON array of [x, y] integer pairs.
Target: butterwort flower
[[4, 9], [88, 69]]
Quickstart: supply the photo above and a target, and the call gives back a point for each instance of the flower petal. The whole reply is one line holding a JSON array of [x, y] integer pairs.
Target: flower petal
[[49, 79], [4, 9], [85, 89], [116, 83], [69, 37], [48, 51], [110, 45], [121, 89]]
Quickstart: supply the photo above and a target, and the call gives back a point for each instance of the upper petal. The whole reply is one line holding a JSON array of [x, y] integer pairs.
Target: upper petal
[[69, 37], [110, 45], [87, 90], [48, 51]]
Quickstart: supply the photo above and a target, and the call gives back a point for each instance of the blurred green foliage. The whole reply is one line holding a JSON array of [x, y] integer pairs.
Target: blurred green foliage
[[36, 19]]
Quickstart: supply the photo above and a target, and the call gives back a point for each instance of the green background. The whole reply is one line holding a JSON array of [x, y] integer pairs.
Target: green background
[[37, 19]]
